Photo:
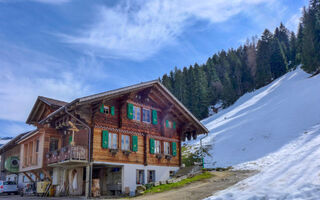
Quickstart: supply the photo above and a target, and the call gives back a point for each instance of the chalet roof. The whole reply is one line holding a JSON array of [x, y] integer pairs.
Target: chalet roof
[[137, 87], [27, 135], [13, 141], [36, 109], [52, 102]]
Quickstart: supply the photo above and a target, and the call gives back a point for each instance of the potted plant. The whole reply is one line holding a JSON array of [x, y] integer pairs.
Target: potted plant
[[126, 152], [114, 151], [159, 156], [168, 157]]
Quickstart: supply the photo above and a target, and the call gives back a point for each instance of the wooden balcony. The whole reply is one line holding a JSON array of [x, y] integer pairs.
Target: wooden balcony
[[68, 155]]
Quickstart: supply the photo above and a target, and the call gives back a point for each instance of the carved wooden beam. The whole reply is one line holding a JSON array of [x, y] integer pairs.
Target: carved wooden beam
[[41, 112], [73, 127], [157, 98]]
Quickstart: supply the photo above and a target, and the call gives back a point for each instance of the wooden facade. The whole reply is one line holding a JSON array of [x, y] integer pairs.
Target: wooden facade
[[140, 125], [120, 124]]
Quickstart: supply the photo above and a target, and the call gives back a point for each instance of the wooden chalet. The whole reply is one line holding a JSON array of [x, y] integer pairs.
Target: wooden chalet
[[108, 143], [35, 144], [9, 164]]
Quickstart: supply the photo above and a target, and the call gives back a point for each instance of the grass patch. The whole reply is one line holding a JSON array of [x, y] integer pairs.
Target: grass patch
[[166, 187]]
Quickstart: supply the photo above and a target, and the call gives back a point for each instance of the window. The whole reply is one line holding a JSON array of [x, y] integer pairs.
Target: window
[[166, 147], [37, 145], [106, 109], [125, 142], [140, 176], [146, 117], [136, 113], [170, 124], [157, 146], [53, 144], [113, 141], [151, 176]]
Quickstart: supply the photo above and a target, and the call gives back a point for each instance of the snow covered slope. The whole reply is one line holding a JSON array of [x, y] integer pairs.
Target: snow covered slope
[[275, 130], [263, 121], [290, 173]]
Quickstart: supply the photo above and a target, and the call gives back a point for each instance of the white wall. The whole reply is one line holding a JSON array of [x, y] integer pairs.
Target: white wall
[[129, 173]]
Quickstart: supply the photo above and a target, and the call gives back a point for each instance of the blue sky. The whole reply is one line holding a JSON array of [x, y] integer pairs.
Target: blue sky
[[66, 49]]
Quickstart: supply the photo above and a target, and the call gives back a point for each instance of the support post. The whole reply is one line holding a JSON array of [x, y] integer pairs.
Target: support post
[[87, 192], [145, 156]]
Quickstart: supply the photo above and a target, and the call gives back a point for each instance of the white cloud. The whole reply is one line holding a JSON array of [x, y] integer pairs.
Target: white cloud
[[56, 2], [26, 74], [138, 30], [52, 1], [293, 22]]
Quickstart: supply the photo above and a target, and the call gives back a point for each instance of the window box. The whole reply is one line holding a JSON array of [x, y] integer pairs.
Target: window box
[[168, 157], [114, 151], [126, 152], [159, 156]]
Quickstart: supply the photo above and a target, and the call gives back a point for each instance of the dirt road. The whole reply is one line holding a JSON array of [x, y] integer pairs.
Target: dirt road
[[201, 189]]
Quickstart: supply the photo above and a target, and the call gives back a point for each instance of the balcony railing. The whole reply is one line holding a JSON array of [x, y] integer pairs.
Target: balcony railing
[[68, 153]]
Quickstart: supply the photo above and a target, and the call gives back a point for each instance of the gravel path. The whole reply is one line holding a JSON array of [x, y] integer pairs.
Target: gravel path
[[201, 189]]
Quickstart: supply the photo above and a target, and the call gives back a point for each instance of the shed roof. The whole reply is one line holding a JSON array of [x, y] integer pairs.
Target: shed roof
[[12, 142]]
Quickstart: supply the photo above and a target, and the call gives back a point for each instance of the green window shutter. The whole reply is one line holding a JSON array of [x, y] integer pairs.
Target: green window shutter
[[167, 123], [134, 143], [154, 117], [105, 138], [70, 139], [174, 148], [112, 110], [102, 108], [151, 145], [130, 111], [174, 125]]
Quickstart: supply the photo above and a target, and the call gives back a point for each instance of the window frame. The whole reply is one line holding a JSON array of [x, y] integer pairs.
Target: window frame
[[37, 145], [153, 176], [57, 143], [111, 140], [139, 178], [166, 148], [135, 113], [105, 107], [157, 146], [146, 110], [125, 146]]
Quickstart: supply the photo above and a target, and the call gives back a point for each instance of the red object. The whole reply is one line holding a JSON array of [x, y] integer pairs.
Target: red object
[[1, 186]]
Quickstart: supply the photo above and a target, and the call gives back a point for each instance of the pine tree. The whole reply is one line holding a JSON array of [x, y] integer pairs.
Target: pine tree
[[263, 75], [293, 50], [166, 81], [277, 60], [310, 42], [299, 43]]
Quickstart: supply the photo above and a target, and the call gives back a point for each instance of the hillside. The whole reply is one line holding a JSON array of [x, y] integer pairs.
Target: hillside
[[263, 121], [275, 130]]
